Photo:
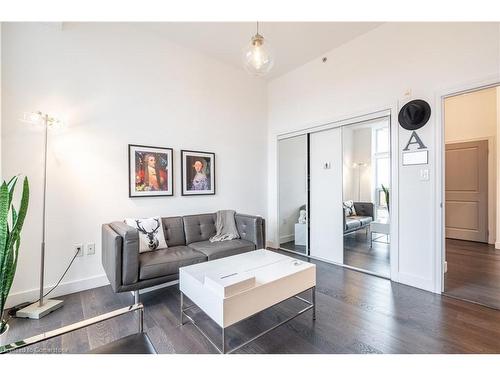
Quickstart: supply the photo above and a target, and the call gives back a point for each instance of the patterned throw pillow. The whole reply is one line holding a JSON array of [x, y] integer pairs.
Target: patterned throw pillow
[[349, 209], [151, 236]]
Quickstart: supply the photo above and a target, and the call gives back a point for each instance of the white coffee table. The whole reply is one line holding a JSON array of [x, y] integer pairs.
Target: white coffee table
[[381, 226], [232, 289]]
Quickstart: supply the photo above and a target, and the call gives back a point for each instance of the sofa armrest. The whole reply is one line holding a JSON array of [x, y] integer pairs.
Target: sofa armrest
[[252, 228], [364, 209], [120, 254]]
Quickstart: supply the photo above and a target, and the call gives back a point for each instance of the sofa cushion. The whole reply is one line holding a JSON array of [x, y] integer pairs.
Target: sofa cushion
[[166, 262], [215, 250], [173, 228], [199, 227], [364, 220], [351, 224]]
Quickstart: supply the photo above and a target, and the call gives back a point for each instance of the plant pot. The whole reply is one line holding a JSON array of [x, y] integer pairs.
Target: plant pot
[[3, 336]]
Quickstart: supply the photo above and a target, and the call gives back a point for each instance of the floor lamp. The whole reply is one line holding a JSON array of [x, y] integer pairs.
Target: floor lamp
[[43, 306]]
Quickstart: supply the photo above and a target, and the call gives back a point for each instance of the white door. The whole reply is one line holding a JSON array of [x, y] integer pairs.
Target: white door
[[326, 212], [467, 191]]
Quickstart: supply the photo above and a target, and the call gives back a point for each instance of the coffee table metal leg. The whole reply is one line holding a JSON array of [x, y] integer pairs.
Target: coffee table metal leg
[[223, 341], [311, 306], [182, 309], [314, 302]]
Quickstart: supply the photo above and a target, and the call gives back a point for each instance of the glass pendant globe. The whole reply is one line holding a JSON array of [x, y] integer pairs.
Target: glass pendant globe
[[258, 57]]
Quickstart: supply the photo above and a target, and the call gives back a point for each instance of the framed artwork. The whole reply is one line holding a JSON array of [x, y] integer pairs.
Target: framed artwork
[[150, 171], [198, 172]]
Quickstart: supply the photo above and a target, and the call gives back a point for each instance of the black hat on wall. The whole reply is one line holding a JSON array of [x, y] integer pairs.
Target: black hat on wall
[[414, 114]]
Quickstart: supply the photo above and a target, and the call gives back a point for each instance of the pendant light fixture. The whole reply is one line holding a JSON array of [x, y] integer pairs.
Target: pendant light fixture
[[257, 56]]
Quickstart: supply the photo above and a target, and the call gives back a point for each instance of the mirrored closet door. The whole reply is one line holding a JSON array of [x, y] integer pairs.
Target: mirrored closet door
[[293, 194], [326, 195], [366, 193]]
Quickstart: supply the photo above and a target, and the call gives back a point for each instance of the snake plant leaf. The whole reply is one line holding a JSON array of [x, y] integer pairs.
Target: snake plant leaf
[[10, 237], [14, 216], [4, 237], [11, 185], [13, 236], [12, 270], [4, 214]]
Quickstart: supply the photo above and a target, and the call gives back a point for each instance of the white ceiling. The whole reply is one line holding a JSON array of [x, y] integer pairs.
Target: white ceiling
[[294, 43]]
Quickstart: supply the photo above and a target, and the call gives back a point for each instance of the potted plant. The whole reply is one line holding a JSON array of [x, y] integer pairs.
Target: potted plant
[[11, 223], [386, 192]]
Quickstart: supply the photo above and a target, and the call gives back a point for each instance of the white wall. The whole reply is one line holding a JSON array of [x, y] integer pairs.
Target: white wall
[[472, 117], [374, 72], [293, 183], [114, 84]]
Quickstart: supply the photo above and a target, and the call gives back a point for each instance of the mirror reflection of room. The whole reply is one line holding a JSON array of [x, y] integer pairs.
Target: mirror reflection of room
[[293, 231], [366, 193]]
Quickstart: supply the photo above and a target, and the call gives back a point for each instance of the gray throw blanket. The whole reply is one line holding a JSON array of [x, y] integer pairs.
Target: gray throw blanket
[[225, 226]]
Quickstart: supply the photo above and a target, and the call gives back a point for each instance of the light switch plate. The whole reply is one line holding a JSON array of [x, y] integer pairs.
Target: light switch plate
[[424, 174]]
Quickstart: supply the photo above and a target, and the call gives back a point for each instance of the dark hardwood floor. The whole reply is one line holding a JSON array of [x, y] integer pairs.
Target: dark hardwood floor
[[356, 313], [473, 272], [357, 253], [292, 246]]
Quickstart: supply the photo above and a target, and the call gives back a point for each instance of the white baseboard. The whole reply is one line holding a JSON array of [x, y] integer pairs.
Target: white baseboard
[[497, 245], [287, 238], [64, 288], [417, 282], [272, 244]]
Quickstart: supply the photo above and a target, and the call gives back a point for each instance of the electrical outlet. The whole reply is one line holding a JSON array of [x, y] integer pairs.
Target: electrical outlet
[[78, 248], [90, 248]]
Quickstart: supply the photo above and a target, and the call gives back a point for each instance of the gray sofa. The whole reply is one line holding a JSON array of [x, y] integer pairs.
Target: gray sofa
[[362, 219], [188, 243]]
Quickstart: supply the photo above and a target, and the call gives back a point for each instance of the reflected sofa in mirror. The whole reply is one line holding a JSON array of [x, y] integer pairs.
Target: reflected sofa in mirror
[[366, 190]]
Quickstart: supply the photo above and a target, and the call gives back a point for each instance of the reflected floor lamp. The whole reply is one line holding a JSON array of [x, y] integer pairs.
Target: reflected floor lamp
[[359, 165], [43, 306]]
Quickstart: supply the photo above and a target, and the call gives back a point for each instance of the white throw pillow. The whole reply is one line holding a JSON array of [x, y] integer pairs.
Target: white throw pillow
[[349, 209], [151, 236]]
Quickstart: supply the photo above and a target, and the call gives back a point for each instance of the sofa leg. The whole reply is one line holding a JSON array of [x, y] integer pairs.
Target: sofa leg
[[136, 296]]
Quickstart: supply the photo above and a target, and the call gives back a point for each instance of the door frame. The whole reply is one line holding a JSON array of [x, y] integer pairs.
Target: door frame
[[392, 112], [488, 82]]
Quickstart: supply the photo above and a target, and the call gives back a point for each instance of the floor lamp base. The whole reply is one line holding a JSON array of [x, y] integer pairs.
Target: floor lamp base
[[35, 311]]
